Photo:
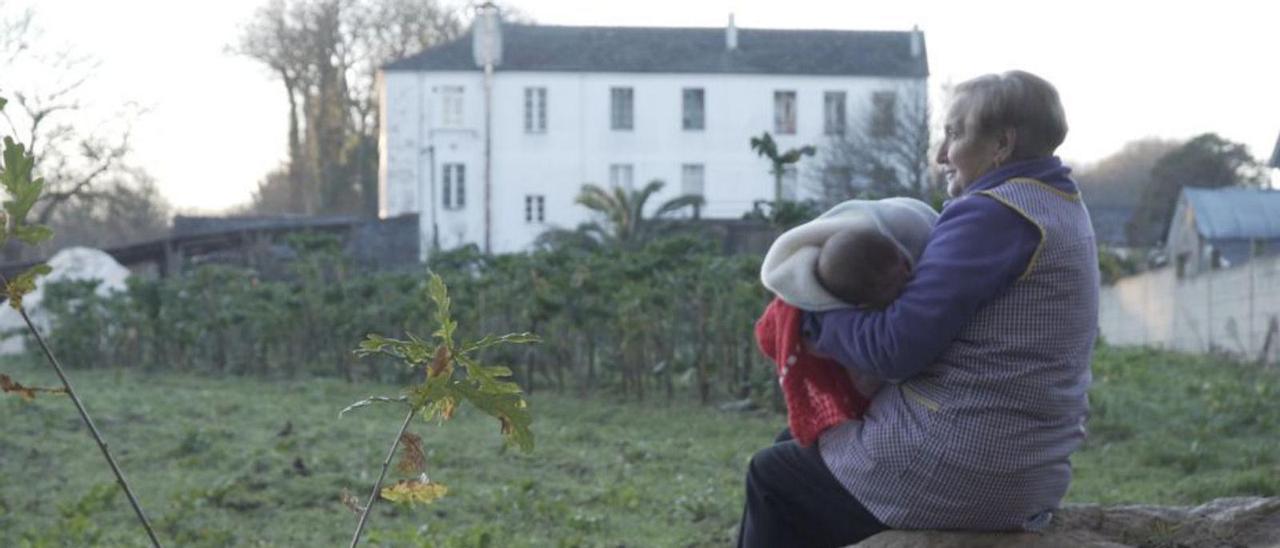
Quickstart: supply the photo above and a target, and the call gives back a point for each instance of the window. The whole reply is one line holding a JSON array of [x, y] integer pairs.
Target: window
[[692, 180], [535, 110], [534, 208], [833, 112], [622, 109], [454, 188], [451, 106], [621, 176], [784, 112], [694, 117], [883, 118]]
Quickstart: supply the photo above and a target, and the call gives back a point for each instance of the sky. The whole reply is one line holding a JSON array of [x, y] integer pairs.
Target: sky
[[214, 123]]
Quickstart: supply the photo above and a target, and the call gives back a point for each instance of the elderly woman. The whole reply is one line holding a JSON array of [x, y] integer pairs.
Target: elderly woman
[[987, 351]]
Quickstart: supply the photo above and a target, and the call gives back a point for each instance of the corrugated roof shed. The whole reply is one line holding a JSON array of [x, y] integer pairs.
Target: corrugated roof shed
[[1235, 213], [688, 50]]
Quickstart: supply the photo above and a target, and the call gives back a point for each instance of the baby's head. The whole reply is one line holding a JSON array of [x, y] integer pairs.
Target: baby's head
[[861, 266]]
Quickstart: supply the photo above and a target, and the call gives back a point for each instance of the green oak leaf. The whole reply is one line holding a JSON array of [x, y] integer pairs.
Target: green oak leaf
[[32, 234], [23, 284]]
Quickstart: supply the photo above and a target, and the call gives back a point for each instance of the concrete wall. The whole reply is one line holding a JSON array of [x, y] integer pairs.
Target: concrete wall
[[1228, 310], [579, 146]]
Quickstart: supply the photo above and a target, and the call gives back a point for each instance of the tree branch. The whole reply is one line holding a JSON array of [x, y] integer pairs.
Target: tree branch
[[84, 415], [377, 486]]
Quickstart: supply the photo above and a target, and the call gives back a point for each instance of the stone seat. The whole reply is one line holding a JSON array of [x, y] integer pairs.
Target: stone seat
[[1240, 522]]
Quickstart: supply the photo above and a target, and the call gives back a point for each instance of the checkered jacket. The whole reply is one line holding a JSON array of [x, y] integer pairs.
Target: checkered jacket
[[980, 440]]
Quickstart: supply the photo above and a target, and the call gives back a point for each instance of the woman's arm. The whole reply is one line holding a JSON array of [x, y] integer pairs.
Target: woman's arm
[[978, 249]]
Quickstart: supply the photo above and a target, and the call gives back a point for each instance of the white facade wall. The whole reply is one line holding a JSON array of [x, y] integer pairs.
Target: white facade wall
[[1185, 248], [1228, 310], [579, 145]]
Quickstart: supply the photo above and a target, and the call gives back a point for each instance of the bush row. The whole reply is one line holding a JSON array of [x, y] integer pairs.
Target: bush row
[[672, 316]]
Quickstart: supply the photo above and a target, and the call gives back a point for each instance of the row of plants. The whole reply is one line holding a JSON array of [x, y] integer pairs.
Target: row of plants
[[671, 315]]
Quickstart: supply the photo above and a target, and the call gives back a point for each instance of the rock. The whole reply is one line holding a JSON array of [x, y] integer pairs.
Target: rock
[[1241, 522], [72, 263]]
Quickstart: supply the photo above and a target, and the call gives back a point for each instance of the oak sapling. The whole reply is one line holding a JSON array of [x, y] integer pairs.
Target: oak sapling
[[452, 374], [22, 189]]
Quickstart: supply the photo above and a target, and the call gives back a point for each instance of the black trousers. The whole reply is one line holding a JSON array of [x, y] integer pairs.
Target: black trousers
[[794, 501]]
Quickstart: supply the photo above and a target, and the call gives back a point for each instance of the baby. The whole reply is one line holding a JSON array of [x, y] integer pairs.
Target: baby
[[859, 253], [862, 266]]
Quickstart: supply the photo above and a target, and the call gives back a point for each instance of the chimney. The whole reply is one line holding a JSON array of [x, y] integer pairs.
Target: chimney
[[731, 35], [486, 35], [917, 41]]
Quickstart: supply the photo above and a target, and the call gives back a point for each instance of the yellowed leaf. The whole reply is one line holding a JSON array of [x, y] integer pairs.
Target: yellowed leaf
[[448, 407], [414, 492], [7, 384]]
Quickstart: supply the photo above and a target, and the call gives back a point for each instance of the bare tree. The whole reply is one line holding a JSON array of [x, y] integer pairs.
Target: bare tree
[[133, 211], [882, 150], [273, 195], [76, 148], [327, 54], [273, 40], [1120, 178], [14, 34]]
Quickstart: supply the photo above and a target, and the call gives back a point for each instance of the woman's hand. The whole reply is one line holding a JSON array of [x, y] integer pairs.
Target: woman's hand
[[811, 349]]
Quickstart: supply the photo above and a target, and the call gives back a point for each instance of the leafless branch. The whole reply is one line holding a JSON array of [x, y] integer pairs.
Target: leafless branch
[[13, 34], [88, 421], [377, 485], [101, 158], [871, 161]]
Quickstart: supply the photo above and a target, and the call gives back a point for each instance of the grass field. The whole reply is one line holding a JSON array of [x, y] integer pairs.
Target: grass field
[[233, 461]]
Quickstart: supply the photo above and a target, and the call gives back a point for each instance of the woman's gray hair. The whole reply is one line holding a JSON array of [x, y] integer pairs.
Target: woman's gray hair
[[1019, 100]]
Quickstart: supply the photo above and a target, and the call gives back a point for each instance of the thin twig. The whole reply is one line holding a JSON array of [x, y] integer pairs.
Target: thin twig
[[370, 401], [97, 436], [373, 496]]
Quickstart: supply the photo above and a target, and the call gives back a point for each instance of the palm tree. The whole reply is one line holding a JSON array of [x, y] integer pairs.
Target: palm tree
[[623, 222], [764, 145]]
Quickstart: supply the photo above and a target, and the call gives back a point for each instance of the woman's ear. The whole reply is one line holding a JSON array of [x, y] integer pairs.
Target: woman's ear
[[1006, 143]]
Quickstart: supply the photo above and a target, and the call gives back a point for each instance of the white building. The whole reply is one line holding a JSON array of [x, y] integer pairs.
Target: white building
[[620, 106]]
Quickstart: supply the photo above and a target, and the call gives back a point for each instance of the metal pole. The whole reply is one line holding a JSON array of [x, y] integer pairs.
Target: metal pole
[[1209, 293], [488, 157], [487, 50], [435, 223], [425, 137], [1253, 255]]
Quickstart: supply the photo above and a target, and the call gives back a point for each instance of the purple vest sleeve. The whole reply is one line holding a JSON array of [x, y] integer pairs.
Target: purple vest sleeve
[[979, 247]]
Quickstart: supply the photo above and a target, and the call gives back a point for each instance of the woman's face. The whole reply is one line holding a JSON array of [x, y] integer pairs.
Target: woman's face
[[965, 154]]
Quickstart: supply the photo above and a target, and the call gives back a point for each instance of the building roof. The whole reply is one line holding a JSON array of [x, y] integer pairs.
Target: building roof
[[1235, 213], [687, 50], [187, 226]]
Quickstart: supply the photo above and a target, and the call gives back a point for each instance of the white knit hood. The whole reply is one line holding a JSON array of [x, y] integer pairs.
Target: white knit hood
[[790, 266]]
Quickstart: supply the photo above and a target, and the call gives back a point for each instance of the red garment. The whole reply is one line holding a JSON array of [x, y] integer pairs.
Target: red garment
[[818, 391]]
